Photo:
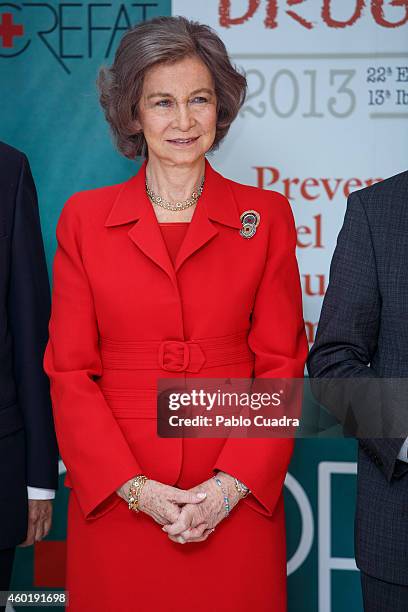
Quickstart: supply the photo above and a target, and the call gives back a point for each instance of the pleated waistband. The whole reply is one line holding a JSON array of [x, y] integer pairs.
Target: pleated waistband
[[175, 355]]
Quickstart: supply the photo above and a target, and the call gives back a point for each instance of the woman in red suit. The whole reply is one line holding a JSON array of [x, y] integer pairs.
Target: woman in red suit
[[153, 278]]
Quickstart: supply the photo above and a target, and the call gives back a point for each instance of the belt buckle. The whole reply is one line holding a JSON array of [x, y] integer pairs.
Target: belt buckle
[[186, 356]]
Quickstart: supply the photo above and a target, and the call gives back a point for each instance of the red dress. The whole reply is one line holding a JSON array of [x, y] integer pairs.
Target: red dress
[[173, 234], [126, 311]]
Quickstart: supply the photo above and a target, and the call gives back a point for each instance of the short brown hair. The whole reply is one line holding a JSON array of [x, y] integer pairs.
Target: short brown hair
[[163, 40]]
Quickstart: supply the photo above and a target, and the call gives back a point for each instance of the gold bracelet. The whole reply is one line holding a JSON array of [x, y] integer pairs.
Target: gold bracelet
[[134, 491], [241, 488]]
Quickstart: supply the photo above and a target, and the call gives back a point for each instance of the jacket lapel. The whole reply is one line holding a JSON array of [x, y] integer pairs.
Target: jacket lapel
[[216, 203], [132, 204]]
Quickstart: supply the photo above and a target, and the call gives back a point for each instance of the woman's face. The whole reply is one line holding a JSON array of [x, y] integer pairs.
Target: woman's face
[[178, 111]]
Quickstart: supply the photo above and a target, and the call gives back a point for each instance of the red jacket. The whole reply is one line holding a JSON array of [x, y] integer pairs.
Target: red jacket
[[118, 301]]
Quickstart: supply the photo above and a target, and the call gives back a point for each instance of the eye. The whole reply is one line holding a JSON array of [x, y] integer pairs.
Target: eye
[[163, 103], [200, 99]]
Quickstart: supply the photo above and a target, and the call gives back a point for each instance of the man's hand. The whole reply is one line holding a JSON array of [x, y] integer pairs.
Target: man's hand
[[39, 520]]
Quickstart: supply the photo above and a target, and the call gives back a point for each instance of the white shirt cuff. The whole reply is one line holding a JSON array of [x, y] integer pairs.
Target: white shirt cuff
[[37, 493], [402, 455]]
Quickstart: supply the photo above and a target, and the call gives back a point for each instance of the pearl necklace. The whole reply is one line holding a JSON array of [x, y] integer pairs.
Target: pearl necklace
[[156, 199]]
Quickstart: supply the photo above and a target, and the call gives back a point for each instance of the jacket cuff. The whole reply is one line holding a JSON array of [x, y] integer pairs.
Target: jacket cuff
[[98, 499], [384, 453], [261, 464]]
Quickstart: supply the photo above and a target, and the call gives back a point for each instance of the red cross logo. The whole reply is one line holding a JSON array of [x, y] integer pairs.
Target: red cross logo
[[8, 30]]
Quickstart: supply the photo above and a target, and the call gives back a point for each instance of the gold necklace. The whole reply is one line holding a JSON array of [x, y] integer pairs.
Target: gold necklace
[[156, 199]]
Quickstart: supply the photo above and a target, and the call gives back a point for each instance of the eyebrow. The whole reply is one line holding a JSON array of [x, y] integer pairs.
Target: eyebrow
[[169, 95]]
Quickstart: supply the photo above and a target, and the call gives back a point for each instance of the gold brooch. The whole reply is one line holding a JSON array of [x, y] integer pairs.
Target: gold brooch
[[250, 221]]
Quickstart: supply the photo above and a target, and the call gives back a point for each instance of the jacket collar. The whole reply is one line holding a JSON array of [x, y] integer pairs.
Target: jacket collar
[[216, 203]]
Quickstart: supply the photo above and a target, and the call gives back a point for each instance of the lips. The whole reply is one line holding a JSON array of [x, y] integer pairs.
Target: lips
[[183, 141]]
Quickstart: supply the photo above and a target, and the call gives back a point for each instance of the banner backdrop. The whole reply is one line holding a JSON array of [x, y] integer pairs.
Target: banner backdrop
[[326, 114]]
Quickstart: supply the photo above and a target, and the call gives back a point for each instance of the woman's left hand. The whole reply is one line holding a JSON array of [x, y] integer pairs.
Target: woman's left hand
[[196, 522]]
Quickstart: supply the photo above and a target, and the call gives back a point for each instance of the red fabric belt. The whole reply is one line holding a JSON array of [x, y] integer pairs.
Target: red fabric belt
[[175, 355]]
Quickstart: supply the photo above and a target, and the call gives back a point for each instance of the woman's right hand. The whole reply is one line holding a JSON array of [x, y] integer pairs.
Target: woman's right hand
[[160, 501]]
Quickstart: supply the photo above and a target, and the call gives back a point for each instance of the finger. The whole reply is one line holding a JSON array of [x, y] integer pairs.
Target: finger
[[162, 519], [157, 519], [173, 538], [176, 528], [166, 515], [39, 530], [177, 539], [47, 527], [172, 512], [182, 523], [187, 497], [203, 537], [194, 532], [41, 527], [29, 541]]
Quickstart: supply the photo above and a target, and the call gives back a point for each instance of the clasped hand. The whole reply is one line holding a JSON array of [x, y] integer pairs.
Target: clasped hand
[[186, 515]]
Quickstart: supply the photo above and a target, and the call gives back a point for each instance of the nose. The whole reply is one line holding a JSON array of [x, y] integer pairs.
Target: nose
[[184, 117]]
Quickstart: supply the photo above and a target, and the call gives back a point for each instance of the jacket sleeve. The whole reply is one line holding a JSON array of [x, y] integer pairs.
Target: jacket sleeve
[[92, 446], [28, 311], [347, 334], [278, 340]]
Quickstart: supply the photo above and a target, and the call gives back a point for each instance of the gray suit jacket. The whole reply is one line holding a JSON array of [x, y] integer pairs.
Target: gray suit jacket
[[363, 332]]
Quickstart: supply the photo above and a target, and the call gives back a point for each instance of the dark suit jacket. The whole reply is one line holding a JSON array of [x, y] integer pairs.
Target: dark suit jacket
[[28, 449], [363, 332]]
